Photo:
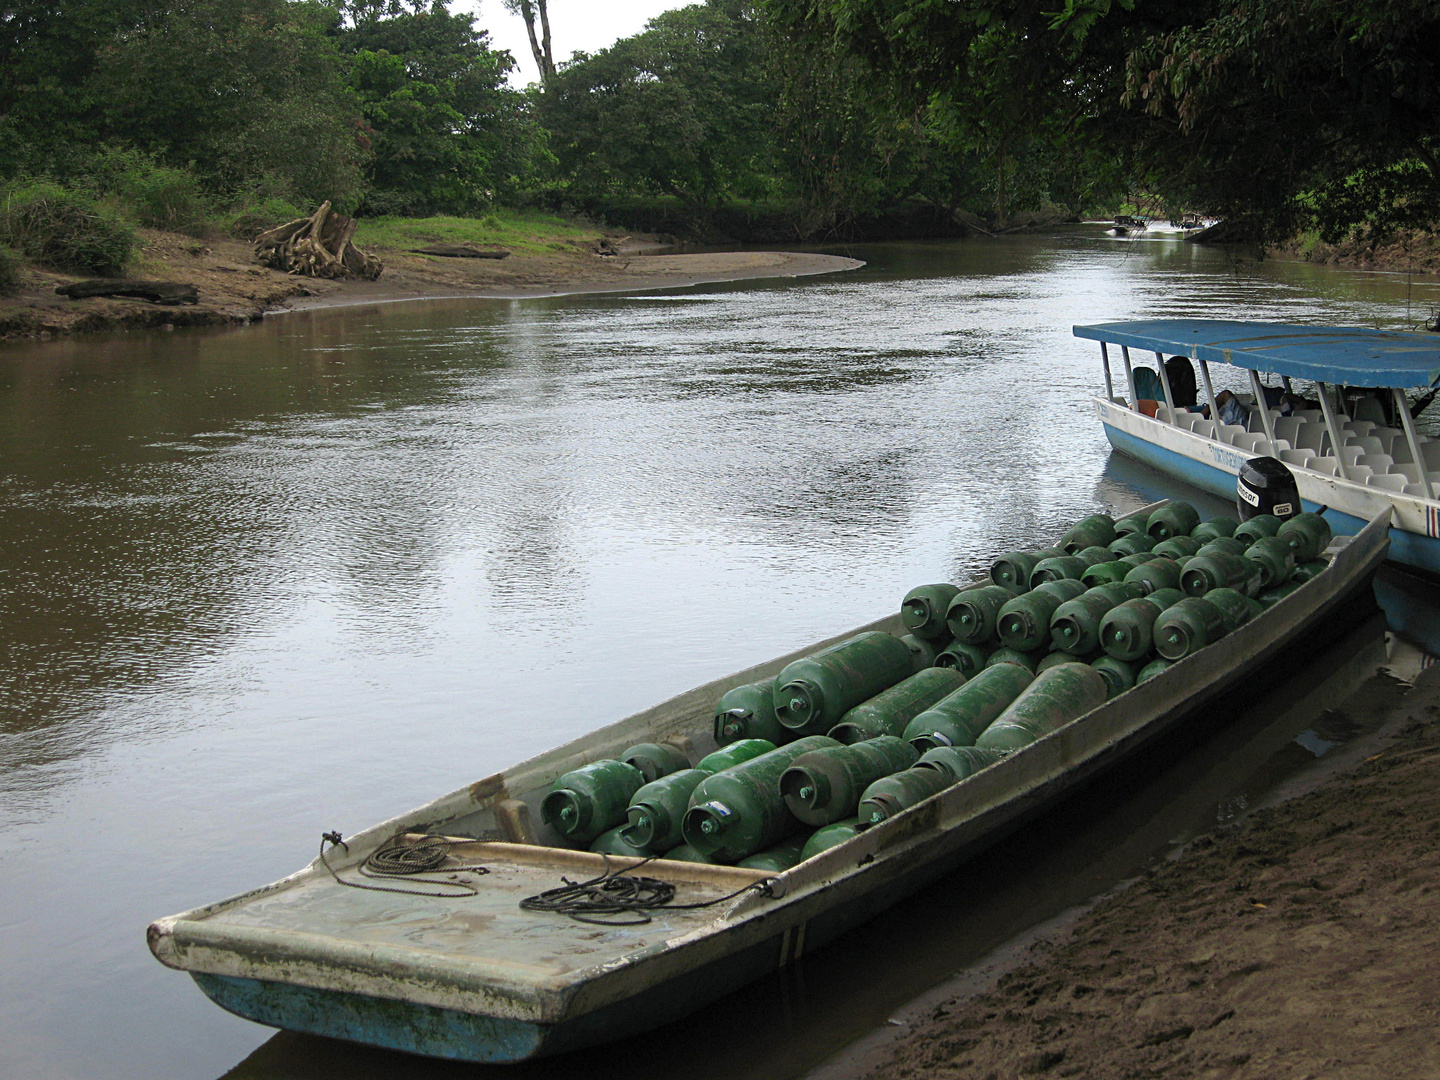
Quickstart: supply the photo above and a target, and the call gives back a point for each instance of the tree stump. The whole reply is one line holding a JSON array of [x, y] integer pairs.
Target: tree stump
[[317, 246]]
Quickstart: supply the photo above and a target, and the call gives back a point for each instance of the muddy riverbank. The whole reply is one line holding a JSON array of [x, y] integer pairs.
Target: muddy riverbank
[[235, 290], [1296, 943]]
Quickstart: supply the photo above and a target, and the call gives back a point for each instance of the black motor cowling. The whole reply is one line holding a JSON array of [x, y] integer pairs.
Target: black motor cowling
[[1266, 486]]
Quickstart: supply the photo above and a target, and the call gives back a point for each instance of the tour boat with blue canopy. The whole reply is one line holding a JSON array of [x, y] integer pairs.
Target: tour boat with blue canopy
[[1350, 439]]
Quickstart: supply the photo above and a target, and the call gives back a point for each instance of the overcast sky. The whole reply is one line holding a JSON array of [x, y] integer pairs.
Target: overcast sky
[[590, 25]]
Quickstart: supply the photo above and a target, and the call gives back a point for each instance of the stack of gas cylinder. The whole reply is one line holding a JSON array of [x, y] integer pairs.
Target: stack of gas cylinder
[[854, 734]]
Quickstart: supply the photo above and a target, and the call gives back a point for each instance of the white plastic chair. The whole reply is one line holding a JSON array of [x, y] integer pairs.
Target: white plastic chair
[[1384, 480], [1250, 443], [1369, 408], [1327, 465], [1288, 428], [1228, 433], [1380, 463], [1204, 427], [1302, 458], [1351, 454]]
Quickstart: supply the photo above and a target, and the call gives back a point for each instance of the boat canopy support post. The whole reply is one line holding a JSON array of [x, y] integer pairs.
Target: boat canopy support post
[[1130, 377], [1266, 421], [1210, 393], [1402, 406], [1165, 384], [1105, 363], [1335, 441]]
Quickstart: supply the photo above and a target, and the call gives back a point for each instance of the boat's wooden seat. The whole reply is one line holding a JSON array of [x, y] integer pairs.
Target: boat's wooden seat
[[1387, 481], [1288, 428], [1369, 408]]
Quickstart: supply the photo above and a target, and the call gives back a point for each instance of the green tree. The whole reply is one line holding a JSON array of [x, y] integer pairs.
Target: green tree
[[446, 131], [250, 93], [683, 109]]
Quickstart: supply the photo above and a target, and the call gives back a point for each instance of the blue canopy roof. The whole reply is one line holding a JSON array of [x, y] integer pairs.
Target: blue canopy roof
[[1351, 355]]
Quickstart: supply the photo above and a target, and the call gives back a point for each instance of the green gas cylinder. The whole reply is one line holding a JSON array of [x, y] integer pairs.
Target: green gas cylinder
[[830, 836], [1307, 533], [1119, 674], [779, 858], [1276, 559], [1307, 570], [732, 754], [1095, 530], [1220, 571], [1108, 573], [1187, 627], [1236, 609], [1075, 626], [655, 760], [1159, 573], [686, 853], [1024, 623], [656, 810], [748, 712], [1173, 519], [1025, 658], [824, 786], [923, 609], [963, 657], [958, 762], [1215, 529], [1013, 569], [1135, 543], [740, 811], [1049, 660], [971, 616], [812, 694], [1132, 523], [889, 711], [956, 720], [1125, 630], [1259, 526], [1153, 668], [1094, 556], [1177, 547], [1226, 544], [591, 799], [1060, 568], [923, 652], [887, 796], [613, 843], [1274, 596], [1055, 698]]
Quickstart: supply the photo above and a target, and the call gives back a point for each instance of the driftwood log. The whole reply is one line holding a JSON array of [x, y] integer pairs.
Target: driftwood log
[[317, 246], [462, 251], [157, 292]]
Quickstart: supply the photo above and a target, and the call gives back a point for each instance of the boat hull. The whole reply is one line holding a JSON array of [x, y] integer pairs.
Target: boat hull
[[1213, 467]]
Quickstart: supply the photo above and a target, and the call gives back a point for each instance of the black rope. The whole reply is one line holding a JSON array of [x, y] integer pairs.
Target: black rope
[[396, 860], [620, 898]]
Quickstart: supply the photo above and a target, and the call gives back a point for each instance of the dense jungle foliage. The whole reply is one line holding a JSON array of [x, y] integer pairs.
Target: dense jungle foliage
[[800, 117]]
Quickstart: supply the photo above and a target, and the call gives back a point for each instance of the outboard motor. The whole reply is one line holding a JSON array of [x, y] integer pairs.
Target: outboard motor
[[1266, 486]]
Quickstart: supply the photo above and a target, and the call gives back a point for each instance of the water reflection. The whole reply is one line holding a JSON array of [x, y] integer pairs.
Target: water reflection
[[257, 584]]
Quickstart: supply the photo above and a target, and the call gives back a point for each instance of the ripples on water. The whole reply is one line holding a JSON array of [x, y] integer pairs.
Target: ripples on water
[[307, 575]]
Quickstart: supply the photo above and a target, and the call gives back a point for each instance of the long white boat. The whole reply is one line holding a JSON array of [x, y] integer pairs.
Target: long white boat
[[479, 978], [1356, 465]]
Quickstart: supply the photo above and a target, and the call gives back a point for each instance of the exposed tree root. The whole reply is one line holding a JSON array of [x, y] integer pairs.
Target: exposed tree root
[[317, 246]]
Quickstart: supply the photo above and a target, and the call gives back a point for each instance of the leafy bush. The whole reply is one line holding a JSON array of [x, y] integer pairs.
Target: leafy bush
[[161, 197], [10, 275], [250, 217], [63, 229]]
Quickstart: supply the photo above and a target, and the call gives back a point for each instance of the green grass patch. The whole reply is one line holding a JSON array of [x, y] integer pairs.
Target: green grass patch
[[518, 230]]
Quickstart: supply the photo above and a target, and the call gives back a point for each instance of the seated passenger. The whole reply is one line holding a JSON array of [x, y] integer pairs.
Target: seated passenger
[[1181, 374]]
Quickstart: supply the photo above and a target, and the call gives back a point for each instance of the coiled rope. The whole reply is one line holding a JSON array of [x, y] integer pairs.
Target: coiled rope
[[620, 898], [396, 860]]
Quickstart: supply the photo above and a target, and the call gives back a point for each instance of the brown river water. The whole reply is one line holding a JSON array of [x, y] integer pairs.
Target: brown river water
[[262, 583]]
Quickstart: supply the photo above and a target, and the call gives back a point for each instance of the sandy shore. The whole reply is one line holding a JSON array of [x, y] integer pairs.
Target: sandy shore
[[1299, 943], [234, 290]]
